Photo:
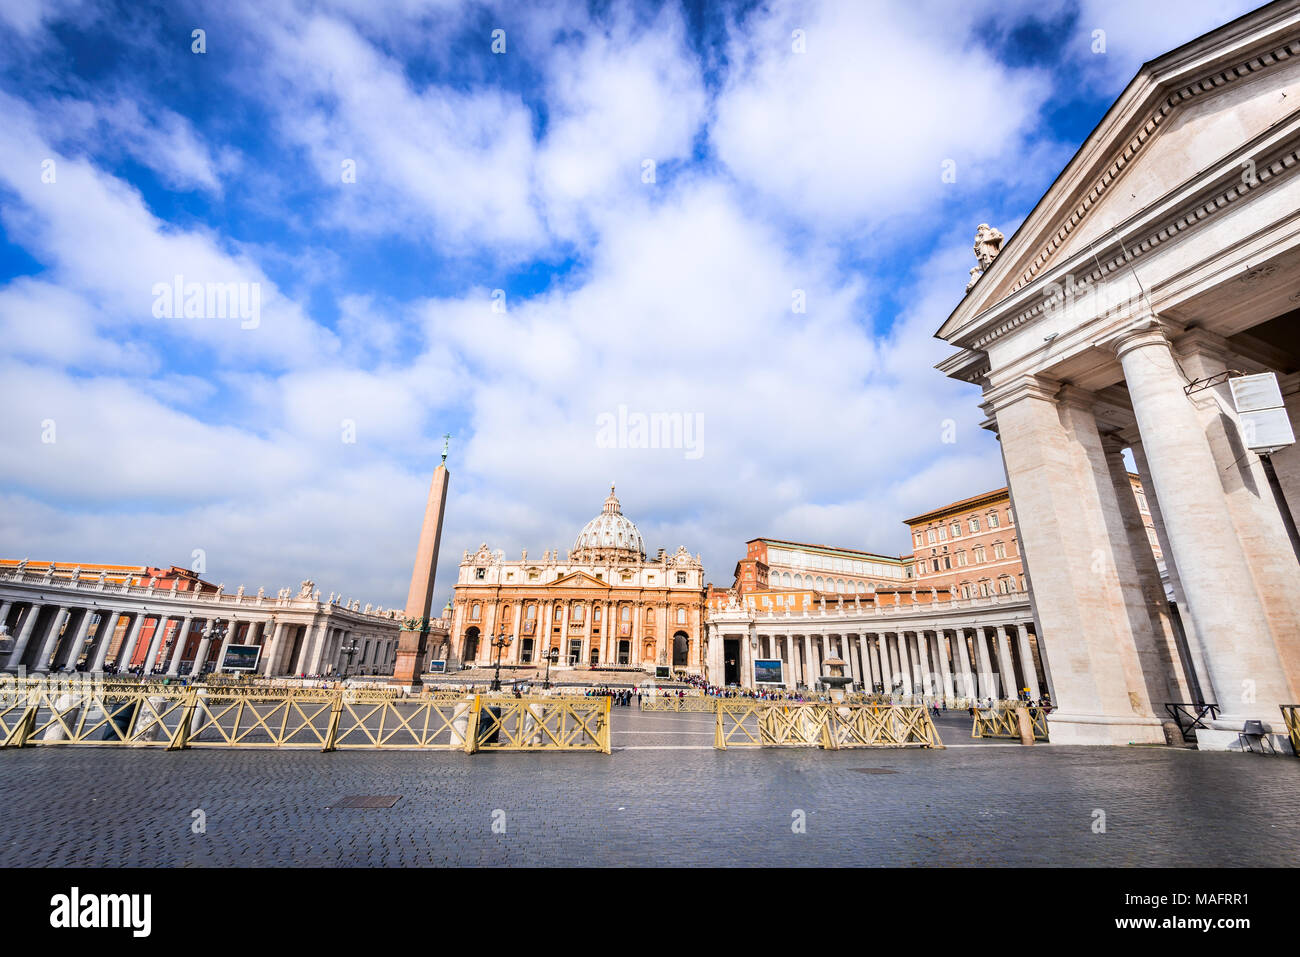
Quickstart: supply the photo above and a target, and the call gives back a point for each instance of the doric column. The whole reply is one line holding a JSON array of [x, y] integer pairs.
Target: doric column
[[205, 643], [1068, 522], [24, 636], [1005, 668], [42, 662], [318, 646], [588, 613], [127, 651], [182, 635], [922, 654], [232, 630], [155, 643], [880, 660], [4, 611], [968, 687], [517, 631], [251, 633], [1027, 660], [1157, 644], [1245, 669], [945, 670], [270, 661], [103, 636]]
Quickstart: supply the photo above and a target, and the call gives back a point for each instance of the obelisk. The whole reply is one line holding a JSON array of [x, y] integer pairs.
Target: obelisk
[[413, 645]]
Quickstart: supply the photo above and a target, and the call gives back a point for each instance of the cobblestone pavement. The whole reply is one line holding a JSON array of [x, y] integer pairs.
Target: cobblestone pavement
[[665, 797]]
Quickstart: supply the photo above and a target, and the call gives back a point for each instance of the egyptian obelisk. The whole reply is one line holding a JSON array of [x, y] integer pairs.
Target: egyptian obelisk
[[413, 645]]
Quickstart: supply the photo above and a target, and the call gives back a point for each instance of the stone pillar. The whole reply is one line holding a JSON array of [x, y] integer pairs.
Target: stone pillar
[[270, 664], [71, 650], [103, 636], [1027, 661], [46, 650], [232, 631], [205, 644], [4, 611], [251, 632], [1157, 643], [127, 651], [1005, 668], [182, 635], [24, 636], [1066, 513], [517, 631], [927, 673], [1245, 668], [318, 647], [940, 635], [155, 643], [413, 643], [968, 687]]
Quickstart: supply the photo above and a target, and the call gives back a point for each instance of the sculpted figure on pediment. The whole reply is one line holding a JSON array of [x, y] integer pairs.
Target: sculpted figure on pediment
[[988, 243], [307, 587]]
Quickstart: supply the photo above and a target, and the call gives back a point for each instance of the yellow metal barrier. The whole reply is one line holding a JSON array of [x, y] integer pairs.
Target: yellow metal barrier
[[1003, 723], [696, 705], [817, 725], [1291, 715], [35, 712]]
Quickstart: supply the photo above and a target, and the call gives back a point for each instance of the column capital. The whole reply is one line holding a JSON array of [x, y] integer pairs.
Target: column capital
[[1113, 443], [1147, 329], [1075, 397], [1206, 343], [998, 397]]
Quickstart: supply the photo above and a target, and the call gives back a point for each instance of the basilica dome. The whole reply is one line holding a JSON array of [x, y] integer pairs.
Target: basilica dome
[[610, 535]]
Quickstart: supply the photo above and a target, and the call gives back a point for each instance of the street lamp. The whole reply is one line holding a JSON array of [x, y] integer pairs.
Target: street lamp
[[214, 633], [350, 649], [501, 643], [552, 655]]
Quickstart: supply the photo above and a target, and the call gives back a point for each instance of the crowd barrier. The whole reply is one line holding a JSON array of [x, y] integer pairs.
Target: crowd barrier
[[35, 712], [816, 725], [1002, 722]]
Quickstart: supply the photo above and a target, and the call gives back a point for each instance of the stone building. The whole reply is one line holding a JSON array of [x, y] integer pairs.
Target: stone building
[[1161, 264], [771, 563], [603, 604], [85, 617]]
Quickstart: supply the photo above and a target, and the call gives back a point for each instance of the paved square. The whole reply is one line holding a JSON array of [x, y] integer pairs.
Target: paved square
[[665, 797]]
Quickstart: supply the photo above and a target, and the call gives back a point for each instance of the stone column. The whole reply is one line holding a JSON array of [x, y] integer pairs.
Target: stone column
[[1245, 669], [205, 644], [71, 650], [880, 660], [182, 635], [1027, 660], [24, 636], [927, 673], [518, 643], [1066, 512], [103, 636], [269, 664], [968, 686], [155, 643], [232, 631], [127, 651], [945, 669], [1157, 643], [251, 632], [318, 647], [1008, 672], [46, 650], [4, 611]]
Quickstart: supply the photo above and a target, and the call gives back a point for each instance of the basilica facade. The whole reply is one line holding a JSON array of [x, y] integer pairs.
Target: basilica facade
[[603, 605]]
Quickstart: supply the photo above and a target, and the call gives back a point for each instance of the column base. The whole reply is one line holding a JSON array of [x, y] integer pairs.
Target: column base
[[1104, 729]]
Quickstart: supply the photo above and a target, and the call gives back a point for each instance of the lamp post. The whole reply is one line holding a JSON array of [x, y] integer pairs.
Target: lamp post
[[500, 643], [350, 649], [552, 655]]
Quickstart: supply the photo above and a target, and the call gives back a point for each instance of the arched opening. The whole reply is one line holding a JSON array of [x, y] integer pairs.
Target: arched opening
[[471, 645], [681, 649]]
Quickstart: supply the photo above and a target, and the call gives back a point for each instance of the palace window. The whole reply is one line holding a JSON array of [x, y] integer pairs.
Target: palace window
[[578, 613], [979, 554], [531, 612], [510, 576], [993, 519], [999, 550], [625, 614], [943, 533], [965, 591], [961, 559], [681, 578], [956, 529], [474, 612], [480, 573], [649, 616], [649, 579], [627, 576], [681, 615], [532, 576], [929, 535], [919, 540], [595, 613], [974, 523]]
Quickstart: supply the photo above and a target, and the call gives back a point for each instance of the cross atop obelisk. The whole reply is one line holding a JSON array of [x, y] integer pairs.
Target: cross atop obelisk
[[413, 645]]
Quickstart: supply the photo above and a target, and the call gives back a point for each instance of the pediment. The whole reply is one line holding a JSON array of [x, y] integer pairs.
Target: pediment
[[1180, 119], [578, 580]]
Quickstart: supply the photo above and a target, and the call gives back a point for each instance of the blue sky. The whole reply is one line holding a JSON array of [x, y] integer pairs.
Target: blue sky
[[136, 438]]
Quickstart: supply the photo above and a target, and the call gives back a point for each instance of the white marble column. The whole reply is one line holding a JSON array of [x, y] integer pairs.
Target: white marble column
[[24, 636], [46, 650], [1245, 669], [927, 672], [945, 669], [103, 637], [1027, 661], [182, 635], [155, 643], [1008, 673], [968, 687], [205, 644], [127, 651]]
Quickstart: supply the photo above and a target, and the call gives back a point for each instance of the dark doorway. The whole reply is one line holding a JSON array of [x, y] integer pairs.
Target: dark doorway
[[471, 645], [731, 661], [526, 650], [624, 652], [681, 649]]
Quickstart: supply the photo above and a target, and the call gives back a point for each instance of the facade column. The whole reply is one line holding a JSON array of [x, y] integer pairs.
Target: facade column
[[155, 643], [269, 663], [103, 636], [127, 651], [1003, 641], [1027, 661], [182, 635], [1246, 670], [517, 632], [205, 643], [42, 662], [322, 634], [251, 632], [945, 669], [923, 655], [4, 611], [589, 610], [968, 687], [232, 630], [24, 636], [1067, 513], [72, 650]]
